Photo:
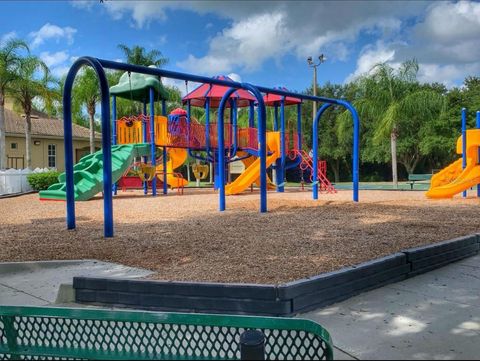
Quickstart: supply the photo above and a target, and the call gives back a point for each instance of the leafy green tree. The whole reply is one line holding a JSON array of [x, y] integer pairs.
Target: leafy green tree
[[393, 104], [138, 55], [9, 61], [33, 80], [86, 95]]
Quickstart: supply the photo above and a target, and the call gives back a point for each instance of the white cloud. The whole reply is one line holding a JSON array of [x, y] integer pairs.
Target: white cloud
[[83, 4], [450, 74], [445, 43], [369, 57], [246, 44], [8, 36], [50, 31], [58, 62], [53, 59], [443, 36], [180, 85], [235, 77]]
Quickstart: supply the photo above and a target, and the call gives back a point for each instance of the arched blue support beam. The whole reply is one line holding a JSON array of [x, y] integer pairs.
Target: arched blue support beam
[[106, 143], [355, 150], [262, 139], [315, 149]]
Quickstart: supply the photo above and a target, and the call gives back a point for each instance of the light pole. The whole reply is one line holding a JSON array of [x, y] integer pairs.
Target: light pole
[[311, 63]]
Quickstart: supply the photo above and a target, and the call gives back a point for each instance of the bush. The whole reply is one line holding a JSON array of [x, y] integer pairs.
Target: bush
[[41, 181]]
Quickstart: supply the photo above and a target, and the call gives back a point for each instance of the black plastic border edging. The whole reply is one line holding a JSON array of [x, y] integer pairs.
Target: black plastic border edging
[[273, 300]]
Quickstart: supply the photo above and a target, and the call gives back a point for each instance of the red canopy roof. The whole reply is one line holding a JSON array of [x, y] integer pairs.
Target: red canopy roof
[[178, 111], [215, 93], [271, 99]]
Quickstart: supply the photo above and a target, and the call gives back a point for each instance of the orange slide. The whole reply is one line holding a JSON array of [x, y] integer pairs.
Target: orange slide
[[453, 179]]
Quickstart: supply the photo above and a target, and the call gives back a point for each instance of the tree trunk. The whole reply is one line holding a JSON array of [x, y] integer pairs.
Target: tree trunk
[[410, 164], [336, 170], [28, 140], [3, 151], [393, 143], [92, 132]]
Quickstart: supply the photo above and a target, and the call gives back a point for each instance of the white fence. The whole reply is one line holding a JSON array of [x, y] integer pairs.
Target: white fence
[[15, 180]]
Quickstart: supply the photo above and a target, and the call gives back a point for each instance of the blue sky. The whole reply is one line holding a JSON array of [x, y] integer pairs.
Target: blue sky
[[264, 43]]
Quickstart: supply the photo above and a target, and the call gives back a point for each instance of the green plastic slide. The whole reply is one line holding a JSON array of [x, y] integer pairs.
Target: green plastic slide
[[88, 172]]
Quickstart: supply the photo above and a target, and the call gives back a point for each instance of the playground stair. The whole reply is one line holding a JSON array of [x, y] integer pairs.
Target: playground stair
[[307, 163], [88, 172]]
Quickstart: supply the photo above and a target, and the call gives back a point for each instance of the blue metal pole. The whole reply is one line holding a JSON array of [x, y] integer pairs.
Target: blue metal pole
[[478, 157], [152, 139], [262, 139], [315, 149], [275, 118], [144, 129], [464, 142], [106, 143], [299, 126], [298, 159], [207, 126], [234, 129], [356, 148], [114, 131], [165, 184], [251, 115], [144, 124], [221, 148], [281, 169], [278, 161]]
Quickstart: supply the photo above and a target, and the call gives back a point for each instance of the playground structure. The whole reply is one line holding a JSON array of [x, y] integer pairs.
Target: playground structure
[[180, 136], [464, 173], [224, 140]]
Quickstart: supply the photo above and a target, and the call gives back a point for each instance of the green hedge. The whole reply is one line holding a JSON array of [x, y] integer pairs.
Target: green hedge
[[41, 181]]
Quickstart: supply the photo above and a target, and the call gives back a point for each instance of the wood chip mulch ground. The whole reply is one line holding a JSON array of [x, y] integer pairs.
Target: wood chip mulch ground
[[186, 238]]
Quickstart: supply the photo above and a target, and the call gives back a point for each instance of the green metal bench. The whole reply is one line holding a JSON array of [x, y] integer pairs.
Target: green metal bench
[[412, 178], [68, 333]]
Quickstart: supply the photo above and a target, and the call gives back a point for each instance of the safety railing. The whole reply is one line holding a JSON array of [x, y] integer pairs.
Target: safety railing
[[61, 333], [182, 134]]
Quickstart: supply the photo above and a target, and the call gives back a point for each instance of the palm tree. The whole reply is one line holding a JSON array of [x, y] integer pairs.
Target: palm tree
[[9, 59], [86, 93], [33, 80], [389, 98], [138, 55]]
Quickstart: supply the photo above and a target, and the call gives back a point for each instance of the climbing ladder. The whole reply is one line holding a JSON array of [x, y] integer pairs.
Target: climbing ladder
[[307, 163]]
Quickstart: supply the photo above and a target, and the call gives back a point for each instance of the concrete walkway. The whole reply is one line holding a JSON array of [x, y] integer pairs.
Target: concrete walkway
[[432, 316], [38, 283], [435, 316]]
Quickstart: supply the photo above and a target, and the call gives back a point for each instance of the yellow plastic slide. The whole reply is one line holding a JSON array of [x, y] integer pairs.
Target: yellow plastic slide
[[248, 162], [177, 156], [453, 179], [252, 173]]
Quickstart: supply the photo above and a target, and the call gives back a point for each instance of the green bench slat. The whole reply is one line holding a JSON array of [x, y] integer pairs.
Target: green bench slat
[[419, 177]]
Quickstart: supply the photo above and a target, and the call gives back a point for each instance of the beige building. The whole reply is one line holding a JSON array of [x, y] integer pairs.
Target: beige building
[[47, 141]]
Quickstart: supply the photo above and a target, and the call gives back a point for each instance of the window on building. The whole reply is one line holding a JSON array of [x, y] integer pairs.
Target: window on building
[[13, 145], [52, 155]]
